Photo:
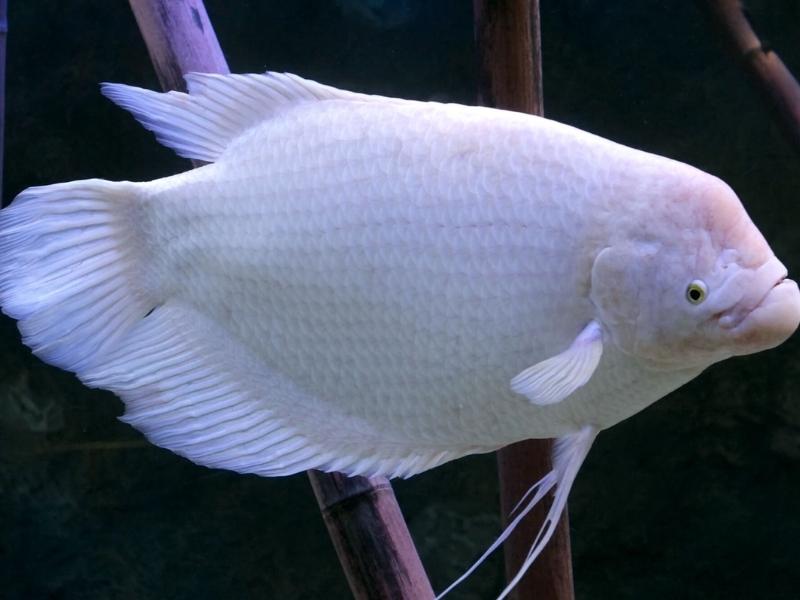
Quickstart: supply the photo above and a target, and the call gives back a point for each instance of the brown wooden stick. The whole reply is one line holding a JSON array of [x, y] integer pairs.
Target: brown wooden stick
[[764, 66], [381, 562], [509, 55], [362, 515], [179, 38], [509, 51]]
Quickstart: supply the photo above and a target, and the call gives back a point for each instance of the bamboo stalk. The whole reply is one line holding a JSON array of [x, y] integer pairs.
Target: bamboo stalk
[[362, 516], [509, 50], [509, 55], [380, 562], [179, 39], [766, 69]]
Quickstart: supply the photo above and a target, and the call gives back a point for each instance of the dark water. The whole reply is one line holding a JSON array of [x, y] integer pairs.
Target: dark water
[[697, 497]]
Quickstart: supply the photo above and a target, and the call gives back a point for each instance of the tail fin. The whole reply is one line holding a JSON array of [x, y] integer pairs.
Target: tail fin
[[71, 265], [568, 455]]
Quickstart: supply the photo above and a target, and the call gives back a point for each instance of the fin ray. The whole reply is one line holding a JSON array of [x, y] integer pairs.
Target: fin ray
[[76, 293], [568, 455], [218, 108], [555, 378]]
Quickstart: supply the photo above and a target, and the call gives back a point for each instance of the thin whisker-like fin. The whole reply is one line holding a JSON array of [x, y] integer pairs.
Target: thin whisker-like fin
[[568, 456]]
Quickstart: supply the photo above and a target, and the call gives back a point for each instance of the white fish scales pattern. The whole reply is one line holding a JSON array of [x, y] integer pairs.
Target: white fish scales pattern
[[397, 280], [377, 286]]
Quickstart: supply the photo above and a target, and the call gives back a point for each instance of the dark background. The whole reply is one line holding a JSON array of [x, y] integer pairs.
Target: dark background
[[696, 497]]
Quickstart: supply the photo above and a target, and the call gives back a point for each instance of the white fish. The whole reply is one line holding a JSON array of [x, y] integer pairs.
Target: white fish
[[378, 286]]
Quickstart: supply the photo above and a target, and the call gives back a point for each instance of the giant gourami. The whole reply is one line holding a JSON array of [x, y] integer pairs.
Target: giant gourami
[[377, 286]]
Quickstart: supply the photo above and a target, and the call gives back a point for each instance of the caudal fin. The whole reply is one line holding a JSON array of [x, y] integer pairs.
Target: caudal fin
[[71, 269]]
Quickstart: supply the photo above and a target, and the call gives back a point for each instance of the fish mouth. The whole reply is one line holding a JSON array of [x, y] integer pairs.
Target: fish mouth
[[769, 276], [773, 319]]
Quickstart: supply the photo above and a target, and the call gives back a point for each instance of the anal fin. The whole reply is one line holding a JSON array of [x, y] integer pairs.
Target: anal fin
[[190, 386], [192, 389]]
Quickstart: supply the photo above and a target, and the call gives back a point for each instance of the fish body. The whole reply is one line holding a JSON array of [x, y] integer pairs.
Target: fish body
[[377, 286], [404, 281]]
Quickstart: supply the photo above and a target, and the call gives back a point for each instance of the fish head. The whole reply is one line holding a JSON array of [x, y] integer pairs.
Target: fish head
[[696, 284]]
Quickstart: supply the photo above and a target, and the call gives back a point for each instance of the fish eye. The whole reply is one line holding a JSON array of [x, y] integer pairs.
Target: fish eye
[[696, 292]]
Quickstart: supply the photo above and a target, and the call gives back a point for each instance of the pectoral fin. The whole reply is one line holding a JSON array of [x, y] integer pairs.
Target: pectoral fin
[[555, 378]]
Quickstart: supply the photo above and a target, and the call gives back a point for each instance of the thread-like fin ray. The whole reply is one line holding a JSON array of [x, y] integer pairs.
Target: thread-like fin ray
[[568, 455], [554, 379]]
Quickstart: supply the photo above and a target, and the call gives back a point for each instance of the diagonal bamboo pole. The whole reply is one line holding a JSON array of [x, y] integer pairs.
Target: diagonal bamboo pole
[[509, 51], [370, 537], [362, 515], [766, 69], [179, 39]]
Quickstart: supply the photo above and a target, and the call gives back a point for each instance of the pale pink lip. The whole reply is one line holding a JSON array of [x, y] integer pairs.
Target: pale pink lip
[[772, 321], [783, 273], [733, 317], [779, 282]]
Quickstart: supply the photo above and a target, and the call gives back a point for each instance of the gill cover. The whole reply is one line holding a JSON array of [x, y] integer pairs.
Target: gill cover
[[616, 290]]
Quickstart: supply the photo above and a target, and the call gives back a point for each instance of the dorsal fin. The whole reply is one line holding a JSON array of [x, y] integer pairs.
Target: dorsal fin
[[218, 108]]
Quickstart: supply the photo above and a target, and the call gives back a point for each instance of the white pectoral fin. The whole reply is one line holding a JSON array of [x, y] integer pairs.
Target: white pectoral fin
[[569, 453], [555, 378]]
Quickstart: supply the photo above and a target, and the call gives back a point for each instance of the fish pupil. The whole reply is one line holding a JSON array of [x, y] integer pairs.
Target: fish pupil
[[696, 292]]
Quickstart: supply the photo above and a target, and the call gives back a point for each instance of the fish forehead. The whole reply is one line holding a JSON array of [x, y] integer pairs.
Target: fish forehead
[[405, 266]]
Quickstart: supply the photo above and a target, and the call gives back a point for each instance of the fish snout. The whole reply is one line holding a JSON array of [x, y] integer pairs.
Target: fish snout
[[767, 324]]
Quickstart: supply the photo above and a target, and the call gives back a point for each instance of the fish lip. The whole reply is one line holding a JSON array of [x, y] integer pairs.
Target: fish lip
[[778, 282], [772, 322], [734, 316]]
